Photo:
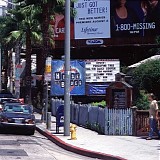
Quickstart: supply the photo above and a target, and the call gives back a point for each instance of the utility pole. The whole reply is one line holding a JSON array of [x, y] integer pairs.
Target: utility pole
[[47, 78], [67, 70], [0, 68]]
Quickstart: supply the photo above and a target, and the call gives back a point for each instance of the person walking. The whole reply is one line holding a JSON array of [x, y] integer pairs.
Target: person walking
[[153, 117]]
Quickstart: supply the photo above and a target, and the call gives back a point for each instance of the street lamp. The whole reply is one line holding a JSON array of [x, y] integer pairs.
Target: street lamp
[[47, 77], [0, 69], [67, 70]]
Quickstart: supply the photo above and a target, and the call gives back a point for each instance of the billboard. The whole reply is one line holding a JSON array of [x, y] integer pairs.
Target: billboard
[[135, 18], [104, 70], [77, 77], [92, 19], [101, 20]]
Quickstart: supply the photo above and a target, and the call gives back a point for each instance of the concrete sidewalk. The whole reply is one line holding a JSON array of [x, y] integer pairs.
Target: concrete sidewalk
[[90, 143]]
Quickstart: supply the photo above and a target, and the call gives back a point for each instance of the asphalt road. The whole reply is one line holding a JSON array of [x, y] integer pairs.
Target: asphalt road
[[13, 147]]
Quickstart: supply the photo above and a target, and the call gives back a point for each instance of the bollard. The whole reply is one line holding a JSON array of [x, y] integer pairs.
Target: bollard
[[42, 117], [73, 131], [48, 123]]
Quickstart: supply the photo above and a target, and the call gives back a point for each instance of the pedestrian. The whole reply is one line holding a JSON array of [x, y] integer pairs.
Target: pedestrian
[[153, 116]]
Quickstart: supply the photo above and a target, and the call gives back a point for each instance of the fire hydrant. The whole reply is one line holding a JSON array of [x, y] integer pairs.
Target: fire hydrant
[[73, 131]]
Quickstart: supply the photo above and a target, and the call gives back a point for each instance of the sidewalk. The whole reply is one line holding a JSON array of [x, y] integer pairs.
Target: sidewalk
[[90, 143]]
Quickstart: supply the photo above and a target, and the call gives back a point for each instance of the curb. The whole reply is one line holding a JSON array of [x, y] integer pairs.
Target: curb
[[75, 149]]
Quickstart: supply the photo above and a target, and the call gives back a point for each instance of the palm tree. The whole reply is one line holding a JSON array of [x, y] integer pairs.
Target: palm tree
[[26, 33], [47, 9], [6, 26]]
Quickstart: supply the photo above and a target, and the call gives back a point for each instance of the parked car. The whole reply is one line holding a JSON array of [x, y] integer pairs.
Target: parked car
[[6, 94], [17, 118], [7, 100]]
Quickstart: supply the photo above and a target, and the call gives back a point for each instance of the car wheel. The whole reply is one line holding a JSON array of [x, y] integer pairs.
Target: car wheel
[[31, 132]]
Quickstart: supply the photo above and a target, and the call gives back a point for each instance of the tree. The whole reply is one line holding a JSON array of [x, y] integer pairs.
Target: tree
[[26, 34], [142, 102], [6, 26], [147, 77], [47, 10]]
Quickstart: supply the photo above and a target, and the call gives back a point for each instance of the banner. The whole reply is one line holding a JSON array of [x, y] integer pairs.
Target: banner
[[96, 89], [92, 19], [77, 77], [135, 18], [110, 19]]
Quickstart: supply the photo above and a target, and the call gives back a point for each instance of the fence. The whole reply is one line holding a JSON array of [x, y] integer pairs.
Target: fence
[[142, 122], [103, 120], [107, 121], [119, 121]]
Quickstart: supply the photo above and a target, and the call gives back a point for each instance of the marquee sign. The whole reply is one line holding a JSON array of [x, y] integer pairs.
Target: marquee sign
[[102, 70]]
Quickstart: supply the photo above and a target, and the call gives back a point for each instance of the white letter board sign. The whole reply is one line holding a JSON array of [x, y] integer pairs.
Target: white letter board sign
[[104, 70]]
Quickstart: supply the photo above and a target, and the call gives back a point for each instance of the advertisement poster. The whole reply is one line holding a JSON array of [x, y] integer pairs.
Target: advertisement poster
[[58, 27], [135, 18], [77, 78], [110, 19], [92, 19]]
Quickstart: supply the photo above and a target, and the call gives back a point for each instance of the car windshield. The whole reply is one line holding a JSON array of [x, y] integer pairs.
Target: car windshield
[[17, 108], [4, 100]]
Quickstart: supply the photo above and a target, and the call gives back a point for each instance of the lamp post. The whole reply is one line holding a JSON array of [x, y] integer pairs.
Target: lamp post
[[67, 70], [47, 78], [0, 68]]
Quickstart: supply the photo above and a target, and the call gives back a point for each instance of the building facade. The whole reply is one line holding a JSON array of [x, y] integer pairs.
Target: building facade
[[4, 6]]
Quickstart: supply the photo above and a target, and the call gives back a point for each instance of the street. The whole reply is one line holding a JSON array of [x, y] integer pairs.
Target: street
[[13, 147]]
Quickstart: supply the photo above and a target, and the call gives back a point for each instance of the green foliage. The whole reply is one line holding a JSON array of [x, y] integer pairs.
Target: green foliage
[[95, 127], [147, 77], [142, 102], [156, 50], [99, 104]]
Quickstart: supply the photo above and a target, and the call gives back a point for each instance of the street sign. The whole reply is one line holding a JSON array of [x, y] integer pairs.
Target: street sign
[[18, 71], [48, 65], [47, 77]]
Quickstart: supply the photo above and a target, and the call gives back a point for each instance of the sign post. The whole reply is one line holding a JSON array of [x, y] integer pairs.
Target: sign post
[[0, 69], [67, 70], [17, 80], [47, 78]]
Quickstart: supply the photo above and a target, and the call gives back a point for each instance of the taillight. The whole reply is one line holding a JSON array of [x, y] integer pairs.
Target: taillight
[[21, 100], [4, 120], [1, 107]]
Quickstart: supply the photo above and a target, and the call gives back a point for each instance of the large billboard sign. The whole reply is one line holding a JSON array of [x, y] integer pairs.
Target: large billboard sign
[[135, 18], [77, 77], [101, 20], [92, 19], [102, 70]]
